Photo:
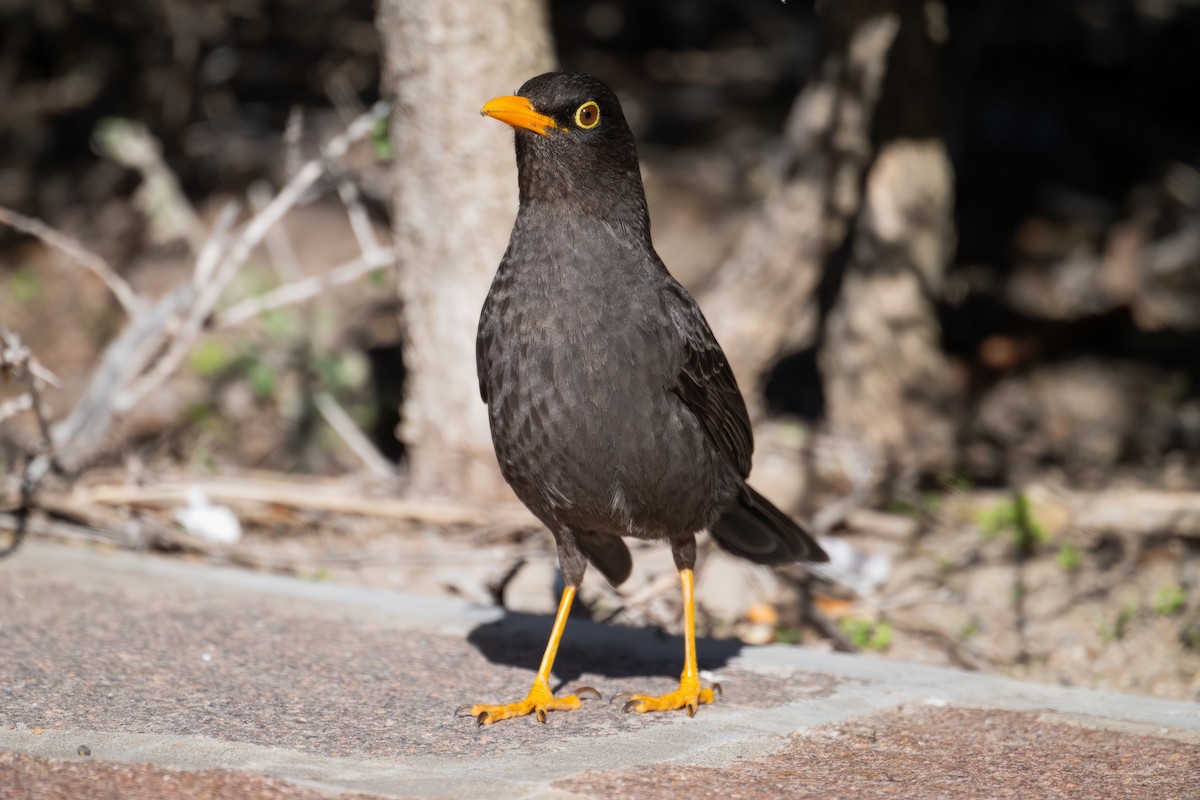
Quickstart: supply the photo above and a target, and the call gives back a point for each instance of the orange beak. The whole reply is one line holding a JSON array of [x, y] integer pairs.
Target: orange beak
[[519, 113]]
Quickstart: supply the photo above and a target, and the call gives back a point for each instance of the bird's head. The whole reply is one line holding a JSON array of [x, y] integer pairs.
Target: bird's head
[[573, 144]]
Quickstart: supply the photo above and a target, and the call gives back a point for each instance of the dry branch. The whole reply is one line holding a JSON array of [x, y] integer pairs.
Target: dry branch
[[160, 196], [352, 435], [15, 405], [76, 250], [18, 362], [158, 338], [303, 290], [283, 258], [183, 337], [301, 495]]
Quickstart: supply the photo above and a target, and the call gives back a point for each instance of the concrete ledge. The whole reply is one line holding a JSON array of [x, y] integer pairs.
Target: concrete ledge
[[151, 661]]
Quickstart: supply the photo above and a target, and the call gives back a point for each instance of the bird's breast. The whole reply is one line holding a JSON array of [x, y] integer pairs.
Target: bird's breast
[[585, 425]]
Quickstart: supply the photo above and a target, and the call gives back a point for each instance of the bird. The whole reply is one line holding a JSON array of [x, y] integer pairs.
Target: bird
[[613, 410]]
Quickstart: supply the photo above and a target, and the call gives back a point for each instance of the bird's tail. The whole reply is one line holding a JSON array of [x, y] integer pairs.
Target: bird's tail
[[756, 530]]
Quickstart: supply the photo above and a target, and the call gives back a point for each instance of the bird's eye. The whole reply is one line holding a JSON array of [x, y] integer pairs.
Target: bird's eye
[[587, 115]]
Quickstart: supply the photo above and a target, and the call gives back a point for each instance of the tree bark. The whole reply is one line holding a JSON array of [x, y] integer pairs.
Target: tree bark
[[455, 201], [887, 383]]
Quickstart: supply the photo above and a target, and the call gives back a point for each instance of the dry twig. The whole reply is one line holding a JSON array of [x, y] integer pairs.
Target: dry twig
[[76, 250], [352, 435], [160, 196], [305, 289], [298, 494]]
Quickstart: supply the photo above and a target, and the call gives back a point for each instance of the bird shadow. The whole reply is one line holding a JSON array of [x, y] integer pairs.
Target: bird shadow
[[518, 639]]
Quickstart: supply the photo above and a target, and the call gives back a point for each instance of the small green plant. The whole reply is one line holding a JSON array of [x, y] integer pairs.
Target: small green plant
[[929, 504], [787, 635], [1015, 518], [319, 575], [25, 285], [867, 635], [210, 358], [1117, 630], [1069, 558], [280, 324], [261, 377], [1169, 600], [1191, 636], [200, 413], [970, 628], [381, 141]]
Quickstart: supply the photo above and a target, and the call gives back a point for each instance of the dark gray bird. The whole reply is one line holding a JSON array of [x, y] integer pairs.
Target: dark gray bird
[[613, 410]]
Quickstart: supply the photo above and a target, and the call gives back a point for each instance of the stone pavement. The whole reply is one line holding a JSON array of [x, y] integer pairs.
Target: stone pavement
[[140, 676]]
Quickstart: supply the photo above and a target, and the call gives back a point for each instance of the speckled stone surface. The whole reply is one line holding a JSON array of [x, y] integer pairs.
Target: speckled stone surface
[[36, 778], [274, 687], [929, 754]]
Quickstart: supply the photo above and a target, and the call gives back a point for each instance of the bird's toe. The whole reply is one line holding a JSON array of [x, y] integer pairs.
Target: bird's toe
[[689, 696], [539, 702]]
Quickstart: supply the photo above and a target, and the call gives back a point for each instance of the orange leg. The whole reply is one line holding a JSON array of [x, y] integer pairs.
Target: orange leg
[[540, 699], [689, 695]]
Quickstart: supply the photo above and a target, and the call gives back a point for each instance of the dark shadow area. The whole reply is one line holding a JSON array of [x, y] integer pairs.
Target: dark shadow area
[[387, 379], [518, 640]]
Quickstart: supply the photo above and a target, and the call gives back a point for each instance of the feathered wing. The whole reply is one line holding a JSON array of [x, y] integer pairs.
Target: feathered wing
[[706, 384], [752, 528], [483, 337]]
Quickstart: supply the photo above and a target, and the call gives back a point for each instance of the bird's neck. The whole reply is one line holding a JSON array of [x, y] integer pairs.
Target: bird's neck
[[613, 196]]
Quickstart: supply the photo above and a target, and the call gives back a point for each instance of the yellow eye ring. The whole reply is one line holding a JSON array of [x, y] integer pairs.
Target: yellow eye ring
[[587, 116]]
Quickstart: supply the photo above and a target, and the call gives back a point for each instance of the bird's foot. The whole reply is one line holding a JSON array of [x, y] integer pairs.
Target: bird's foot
[[539, 701], [689, 695]]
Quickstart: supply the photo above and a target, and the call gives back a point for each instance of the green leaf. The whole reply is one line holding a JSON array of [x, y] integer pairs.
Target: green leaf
[[381, 140], [25, 285], [1117, 630], [210, 358], [280, 324], [1169, 600], [867, 635], [1069, 558], [787, 635], [262, 379]]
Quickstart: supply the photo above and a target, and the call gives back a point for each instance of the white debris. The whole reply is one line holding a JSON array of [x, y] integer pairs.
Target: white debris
[[205, 521], [862, 572]]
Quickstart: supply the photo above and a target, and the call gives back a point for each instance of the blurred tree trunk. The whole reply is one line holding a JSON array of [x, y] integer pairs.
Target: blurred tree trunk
[[763, 302], [455, 201], [888, 385], [847, 255]]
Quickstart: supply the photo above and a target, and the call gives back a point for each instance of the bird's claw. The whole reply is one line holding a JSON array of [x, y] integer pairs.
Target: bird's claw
[[481, 717], [587, 691]]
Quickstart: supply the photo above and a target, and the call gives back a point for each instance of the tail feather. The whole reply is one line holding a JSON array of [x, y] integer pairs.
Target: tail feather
[[756, 530]]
